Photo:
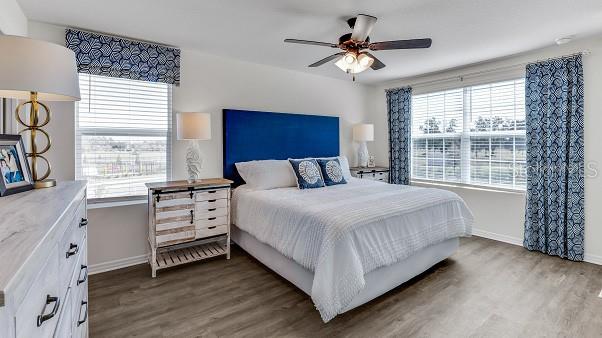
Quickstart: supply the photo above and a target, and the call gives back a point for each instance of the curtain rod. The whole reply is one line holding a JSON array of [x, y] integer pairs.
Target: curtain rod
[[124, 37], [461, 77]]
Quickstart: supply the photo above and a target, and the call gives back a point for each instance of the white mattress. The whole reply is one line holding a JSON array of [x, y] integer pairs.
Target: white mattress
[[343, 232]]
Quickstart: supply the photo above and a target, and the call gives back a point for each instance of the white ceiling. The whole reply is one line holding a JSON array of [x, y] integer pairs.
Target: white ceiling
[[463, 31]]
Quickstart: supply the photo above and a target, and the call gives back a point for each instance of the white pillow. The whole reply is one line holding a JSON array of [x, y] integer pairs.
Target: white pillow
[[345, 167], [267, 174]]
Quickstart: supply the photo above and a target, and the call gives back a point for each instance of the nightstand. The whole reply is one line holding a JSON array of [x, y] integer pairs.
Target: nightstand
[[375, 174], [188, 222]]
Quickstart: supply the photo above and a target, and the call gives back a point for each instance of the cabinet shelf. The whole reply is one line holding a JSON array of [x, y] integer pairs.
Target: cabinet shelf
[[173, 257]]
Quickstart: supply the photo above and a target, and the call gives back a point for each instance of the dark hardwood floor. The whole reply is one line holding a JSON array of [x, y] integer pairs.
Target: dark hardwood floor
[[487, 289]]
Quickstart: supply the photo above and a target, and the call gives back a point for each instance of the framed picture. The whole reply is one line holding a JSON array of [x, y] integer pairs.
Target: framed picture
[[371, 163], [14, 167]]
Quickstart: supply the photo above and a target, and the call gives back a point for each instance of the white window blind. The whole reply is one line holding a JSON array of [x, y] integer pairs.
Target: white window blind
[[123, 133], [472, 135]]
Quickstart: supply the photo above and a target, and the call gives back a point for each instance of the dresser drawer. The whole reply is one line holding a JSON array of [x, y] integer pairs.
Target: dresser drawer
[[79, 319], [38, 314], [212, 231], [65, 326], [70, 247], [210, 213], [211, 195], [211, 221], [212, 204], [81, 218]]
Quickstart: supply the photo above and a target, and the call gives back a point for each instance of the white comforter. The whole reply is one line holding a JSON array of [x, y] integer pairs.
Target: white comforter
[[343, 232]]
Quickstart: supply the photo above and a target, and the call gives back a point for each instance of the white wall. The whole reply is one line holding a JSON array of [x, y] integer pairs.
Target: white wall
[[501, 215], [211, 83], [208, 84], [12, 19]]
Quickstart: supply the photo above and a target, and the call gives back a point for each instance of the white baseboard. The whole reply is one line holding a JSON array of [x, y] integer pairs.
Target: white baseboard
[[498, 237], [594, 259], [118, 264], [135, 260]]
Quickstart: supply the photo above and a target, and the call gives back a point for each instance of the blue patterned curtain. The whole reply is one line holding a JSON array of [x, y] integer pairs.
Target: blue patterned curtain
[[554, 219], [399, 103], [107, 55]]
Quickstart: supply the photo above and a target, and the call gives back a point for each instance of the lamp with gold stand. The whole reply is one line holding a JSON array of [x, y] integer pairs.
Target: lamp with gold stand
[[37, 70]]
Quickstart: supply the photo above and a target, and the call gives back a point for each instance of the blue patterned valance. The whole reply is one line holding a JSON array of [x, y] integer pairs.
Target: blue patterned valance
[[118, 57]]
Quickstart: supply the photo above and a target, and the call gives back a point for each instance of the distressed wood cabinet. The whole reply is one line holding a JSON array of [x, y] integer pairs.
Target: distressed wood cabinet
[[188, 222], [43, 263], [376, 173]]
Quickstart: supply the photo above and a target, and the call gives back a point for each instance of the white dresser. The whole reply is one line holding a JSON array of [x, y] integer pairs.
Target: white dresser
[[188, 222], [43, 263]]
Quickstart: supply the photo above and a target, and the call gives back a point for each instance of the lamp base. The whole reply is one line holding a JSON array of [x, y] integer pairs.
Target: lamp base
[[194, 162], [363, 155], [47, 183]]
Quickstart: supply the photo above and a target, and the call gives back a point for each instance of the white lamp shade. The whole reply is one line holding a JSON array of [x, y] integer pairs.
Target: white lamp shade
[[194, 126], [28, 65], [363, 132]]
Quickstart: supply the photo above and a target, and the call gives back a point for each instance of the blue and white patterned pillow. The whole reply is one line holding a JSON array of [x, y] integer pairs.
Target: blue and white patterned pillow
[[308, 173], [331, 171]]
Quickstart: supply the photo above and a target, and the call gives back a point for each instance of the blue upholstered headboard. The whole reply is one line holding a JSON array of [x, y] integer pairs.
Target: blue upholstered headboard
[[255, 135]]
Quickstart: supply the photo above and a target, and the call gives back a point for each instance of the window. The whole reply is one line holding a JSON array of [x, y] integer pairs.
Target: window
[[123, 135], [473, 135]]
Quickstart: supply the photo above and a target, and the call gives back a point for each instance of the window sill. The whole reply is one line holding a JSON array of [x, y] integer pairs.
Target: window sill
[[101, 203], [467, 186]]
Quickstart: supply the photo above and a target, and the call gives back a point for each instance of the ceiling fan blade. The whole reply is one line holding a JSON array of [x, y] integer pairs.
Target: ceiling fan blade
[[327, 59], [377, 64], [362, 27], [401, 44], [314, 43]]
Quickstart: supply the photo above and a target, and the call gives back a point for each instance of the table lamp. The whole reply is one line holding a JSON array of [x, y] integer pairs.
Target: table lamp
[[37, 71], [193, 127], [363, 133]]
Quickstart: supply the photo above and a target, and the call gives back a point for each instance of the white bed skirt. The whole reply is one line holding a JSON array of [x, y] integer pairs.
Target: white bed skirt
[[378, 281]]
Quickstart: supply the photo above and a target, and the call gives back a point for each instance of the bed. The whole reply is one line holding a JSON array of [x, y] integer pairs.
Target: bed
[[343, 245]]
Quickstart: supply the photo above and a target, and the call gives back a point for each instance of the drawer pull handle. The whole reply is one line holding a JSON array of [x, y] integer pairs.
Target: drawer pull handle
[[211, 201], [83, 222], [212, 209], [191, 216], [211, 218], [85, 278], [49, 300], [213, 227], [73, 249], [212, 192], [80, 322]]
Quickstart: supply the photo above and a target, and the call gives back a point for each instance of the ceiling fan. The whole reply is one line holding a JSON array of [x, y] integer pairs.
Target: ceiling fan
[[355, 56]]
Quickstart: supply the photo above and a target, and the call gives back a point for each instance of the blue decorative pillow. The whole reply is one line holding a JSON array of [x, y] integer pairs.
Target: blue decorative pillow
[[308, 173], [331, 171]]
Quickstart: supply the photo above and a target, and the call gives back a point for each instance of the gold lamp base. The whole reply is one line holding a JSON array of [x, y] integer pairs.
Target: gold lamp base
[[47, 183], [34, 127]]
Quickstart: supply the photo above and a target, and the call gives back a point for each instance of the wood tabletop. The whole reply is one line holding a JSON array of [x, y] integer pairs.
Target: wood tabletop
[[183, 184], [369, 169]]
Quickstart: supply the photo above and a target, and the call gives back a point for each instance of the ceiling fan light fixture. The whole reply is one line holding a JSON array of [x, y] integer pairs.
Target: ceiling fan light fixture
[[354, 68], [365, 61], [350, 58]]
